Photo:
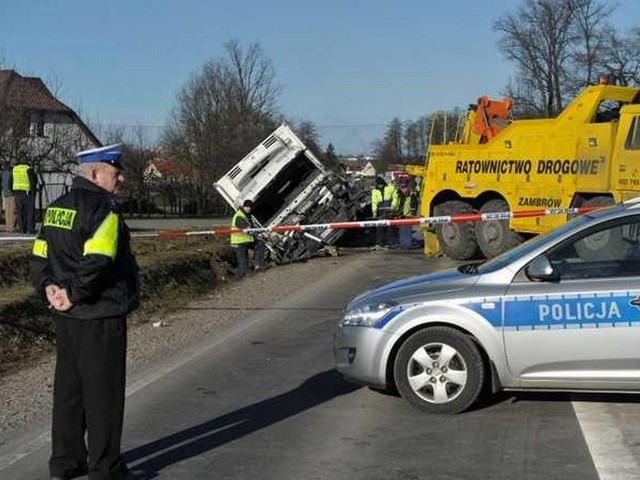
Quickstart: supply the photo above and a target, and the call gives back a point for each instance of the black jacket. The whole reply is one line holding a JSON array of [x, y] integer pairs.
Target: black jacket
[[83, 246]]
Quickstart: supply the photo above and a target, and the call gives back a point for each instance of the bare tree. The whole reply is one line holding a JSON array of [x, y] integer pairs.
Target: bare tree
[[590, 26], [415, 137], [332, 160], [221, 113], [525, 98], [137, 156], [389, 149], [538, 38], [620, 56], [556, 46], [307, 132]]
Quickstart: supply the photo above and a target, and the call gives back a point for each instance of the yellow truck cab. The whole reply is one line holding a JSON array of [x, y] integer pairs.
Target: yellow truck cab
[[588, 155]]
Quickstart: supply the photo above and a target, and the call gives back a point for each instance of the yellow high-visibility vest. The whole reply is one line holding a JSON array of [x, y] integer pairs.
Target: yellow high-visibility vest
[[376, 200], [21, 178], [389, 192], [240, 238], [410, 206]]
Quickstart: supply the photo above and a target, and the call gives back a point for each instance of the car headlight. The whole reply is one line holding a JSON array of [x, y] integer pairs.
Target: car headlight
[[367, 315]]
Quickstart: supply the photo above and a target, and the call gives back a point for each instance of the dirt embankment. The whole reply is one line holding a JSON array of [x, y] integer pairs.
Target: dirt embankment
[[169, 269]]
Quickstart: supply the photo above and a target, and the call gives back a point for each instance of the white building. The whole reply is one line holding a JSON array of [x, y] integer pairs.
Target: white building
[[358, 167], [36, 126]]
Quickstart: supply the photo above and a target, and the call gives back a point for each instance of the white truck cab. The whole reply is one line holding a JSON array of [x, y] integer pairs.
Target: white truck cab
[[289, 185]]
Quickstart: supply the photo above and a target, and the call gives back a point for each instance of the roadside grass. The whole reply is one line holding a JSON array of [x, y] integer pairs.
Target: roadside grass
[[172, 272]]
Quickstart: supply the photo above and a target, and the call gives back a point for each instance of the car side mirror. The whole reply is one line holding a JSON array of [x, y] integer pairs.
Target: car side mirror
[[541, 269]]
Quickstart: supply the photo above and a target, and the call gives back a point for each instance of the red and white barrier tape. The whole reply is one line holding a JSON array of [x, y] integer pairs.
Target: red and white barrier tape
[[460, 218]]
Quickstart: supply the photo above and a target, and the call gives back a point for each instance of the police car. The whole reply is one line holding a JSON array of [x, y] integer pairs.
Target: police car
[[559, 312]]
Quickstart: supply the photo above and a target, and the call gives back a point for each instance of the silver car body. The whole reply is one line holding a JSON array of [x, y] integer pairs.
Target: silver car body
[[573, 333]]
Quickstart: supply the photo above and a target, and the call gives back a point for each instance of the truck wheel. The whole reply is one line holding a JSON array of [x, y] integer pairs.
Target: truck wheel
[[599, 201], [458, 240], [606, 245], [495, 237], [439, 370]]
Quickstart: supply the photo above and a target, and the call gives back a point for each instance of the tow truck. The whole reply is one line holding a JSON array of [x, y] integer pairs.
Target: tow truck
[[589, 155]]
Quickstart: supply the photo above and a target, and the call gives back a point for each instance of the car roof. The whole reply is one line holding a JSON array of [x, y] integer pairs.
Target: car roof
[[632, 203], [618, 210]]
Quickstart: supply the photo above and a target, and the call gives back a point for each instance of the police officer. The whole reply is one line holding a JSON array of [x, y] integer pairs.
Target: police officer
[[242, 242], [24, 190], [82, 266]]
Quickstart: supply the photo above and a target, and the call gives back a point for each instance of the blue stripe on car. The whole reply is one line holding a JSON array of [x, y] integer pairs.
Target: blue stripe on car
[[529, 312], [394, 312], [533, 312]]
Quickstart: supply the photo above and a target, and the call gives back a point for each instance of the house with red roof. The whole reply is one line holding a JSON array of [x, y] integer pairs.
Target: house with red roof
[[170, 184], [167, 170], [37, 126], [29, 109]]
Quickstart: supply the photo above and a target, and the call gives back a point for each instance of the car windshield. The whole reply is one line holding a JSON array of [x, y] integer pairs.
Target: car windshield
[[509, 256]]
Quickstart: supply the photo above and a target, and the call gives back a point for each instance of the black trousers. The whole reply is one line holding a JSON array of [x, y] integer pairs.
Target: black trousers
[[386, 236], [88, 396], [26, 212]]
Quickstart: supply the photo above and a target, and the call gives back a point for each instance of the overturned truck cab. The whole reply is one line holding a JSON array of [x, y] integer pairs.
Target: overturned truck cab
[[289, 185]]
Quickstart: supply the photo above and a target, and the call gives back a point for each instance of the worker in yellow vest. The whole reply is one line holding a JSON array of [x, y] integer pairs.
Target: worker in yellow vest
[[408, 209], [391, 200], [24, 191], [385, 203], [379, 210], [377, 196], [242, 242]]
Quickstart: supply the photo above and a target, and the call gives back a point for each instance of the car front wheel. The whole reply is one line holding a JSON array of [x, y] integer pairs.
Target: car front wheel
[[439, 370]]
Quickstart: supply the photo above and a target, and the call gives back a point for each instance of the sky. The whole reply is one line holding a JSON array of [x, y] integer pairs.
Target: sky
[[349, 66]]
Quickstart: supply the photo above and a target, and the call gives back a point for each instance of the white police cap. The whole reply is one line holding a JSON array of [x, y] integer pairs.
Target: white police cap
[[111, 154]]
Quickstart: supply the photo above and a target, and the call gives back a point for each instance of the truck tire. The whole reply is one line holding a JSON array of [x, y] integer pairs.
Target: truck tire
[[495, 237], [599, 201], [458, 240], [607, 245], [439, 370]]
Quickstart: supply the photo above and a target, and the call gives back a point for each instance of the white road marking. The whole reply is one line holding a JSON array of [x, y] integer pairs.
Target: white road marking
[[25, 449], [611, 454]]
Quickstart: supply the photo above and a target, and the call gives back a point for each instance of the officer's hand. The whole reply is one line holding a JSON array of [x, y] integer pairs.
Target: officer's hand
[[52, 292], [62, 303]]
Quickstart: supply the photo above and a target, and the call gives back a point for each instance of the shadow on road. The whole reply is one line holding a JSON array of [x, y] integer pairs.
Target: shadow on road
[[224, 429], [514, 397], [587, 397]]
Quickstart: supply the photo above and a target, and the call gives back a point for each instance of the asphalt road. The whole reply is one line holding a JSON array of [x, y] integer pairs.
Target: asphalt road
[[263, 401]]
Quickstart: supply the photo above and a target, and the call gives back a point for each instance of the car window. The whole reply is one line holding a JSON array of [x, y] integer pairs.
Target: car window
[[633, 137], [523, 249], [608, 250]]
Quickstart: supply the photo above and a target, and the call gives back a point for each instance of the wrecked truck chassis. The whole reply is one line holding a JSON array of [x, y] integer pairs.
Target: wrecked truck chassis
[[289, 185]]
